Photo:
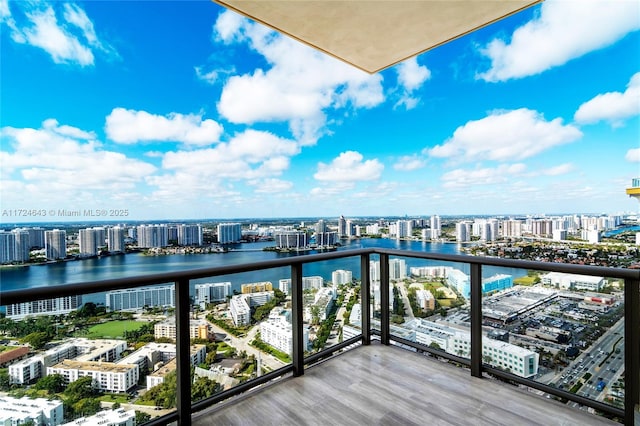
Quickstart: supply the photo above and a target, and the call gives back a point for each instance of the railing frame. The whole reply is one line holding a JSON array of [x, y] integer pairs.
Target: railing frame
[[182, 279]]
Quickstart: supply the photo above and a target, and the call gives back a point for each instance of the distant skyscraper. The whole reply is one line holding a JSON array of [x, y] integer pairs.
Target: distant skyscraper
[[55, 244], [342, 227], [7, 246], [512, 228], [291, 239], [115, 239], [153, 236], [190, 235], [87, 242], [23, 245], [462, 232], [325, 239], [321, 226], [436, 226], [229, 233]]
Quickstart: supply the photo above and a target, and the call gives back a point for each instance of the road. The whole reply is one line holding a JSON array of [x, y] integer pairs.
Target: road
[[408, 312], [242, 344]]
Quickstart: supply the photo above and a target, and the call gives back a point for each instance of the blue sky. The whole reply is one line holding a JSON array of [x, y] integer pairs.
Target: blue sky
[[185, 110]]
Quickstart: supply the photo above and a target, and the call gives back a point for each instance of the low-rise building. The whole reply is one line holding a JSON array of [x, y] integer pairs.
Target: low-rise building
[[198, 329], [39, 411], [106, 376], [118, 417]]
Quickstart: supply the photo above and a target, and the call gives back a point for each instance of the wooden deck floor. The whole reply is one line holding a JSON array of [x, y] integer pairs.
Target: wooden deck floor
[[380, 385]]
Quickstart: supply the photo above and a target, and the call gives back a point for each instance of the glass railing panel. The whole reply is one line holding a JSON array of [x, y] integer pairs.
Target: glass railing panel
[[331, 289], [429, 303], [374, 292], [92, 354], [244, 323], [561, 330]]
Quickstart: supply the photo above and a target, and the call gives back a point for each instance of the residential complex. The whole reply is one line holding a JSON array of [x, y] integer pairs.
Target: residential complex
[[277, 331], [55, 244], [56, 306], [25, 410], [212, 292], [133, 299]]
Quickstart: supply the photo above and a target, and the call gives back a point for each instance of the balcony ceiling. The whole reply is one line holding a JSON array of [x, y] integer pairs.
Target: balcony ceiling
[[375, 34]]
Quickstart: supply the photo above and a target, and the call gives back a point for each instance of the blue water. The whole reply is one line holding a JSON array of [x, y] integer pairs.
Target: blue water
[[137, 264], [621, 230]]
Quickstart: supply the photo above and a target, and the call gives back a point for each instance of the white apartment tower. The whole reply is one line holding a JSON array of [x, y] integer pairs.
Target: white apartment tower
[[190, 235], [229, 233], [153, 236], [462, 232], [115, 239], [55, 244], [88, 242]]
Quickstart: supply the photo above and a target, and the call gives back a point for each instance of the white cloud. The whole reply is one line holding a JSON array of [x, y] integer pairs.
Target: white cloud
[[349, 167], [299, 86], [613, 106], [562, 169], [408, 163], [129, 126], [506, 136], [411, 77], [461, 178], [63, 162], [70, 41], [210, 77], [271, 186], [633, 155], [563, 30], [252, 156]]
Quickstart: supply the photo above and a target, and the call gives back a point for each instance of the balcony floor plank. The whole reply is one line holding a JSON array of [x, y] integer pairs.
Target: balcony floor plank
[[380, 385]]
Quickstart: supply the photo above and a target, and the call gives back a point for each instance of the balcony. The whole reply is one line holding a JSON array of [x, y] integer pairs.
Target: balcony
[[383, 375]]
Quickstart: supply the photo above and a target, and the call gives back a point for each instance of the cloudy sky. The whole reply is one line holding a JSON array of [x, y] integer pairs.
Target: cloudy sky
[[184, 110]]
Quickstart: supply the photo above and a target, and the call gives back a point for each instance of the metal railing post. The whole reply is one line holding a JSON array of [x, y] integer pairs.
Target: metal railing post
[[297, 357], [631, 350], [365, 298], [384, 299], [183, 353], [476, 320]]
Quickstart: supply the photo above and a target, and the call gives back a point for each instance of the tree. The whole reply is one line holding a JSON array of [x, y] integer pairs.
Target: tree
[[80, 389], [53, 383], [142, 417], [203, 387], [36, 340], [5, 383]]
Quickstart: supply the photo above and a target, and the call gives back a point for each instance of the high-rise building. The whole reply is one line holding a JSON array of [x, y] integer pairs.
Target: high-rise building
[[132, 299], [229, 233], [327, 238], [55, 306], [115, 239], [153, 236], [212, 292], [341, 276], [321, 226], [436, 227], [7, 246], [397, 269], [512, 228], [55, 244], [463, 232], [291, 239], [87, 242], [190, 235], [342, 227]]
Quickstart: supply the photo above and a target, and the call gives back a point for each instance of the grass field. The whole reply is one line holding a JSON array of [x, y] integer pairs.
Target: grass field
[[113, 329], [526, 280]]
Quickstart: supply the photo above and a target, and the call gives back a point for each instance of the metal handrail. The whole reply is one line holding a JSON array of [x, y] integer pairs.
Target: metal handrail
[[182, 279]]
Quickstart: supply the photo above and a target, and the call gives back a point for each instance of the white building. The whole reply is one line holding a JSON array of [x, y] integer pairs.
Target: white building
[[397, 269], [240, 311], [463, 232], [212, 292], [56, 306], [572, 281], [341, 276], [88, 242], [118, 417], [55, 244], [115, 239], [308, 283], [229, 233], [153, 236], [106, 376], [190, 235], [133, 299], [198, 329], [40, 411], [278, 332]]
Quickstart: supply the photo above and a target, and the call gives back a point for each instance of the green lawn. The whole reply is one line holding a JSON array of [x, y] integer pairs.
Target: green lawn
[[112, 329], [526, 280]]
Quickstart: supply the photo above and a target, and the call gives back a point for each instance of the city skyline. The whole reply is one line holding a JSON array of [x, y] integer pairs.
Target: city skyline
[[208, 115]]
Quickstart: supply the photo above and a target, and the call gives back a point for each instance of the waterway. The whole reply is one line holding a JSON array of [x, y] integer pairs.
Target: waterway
[[136, 264]]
